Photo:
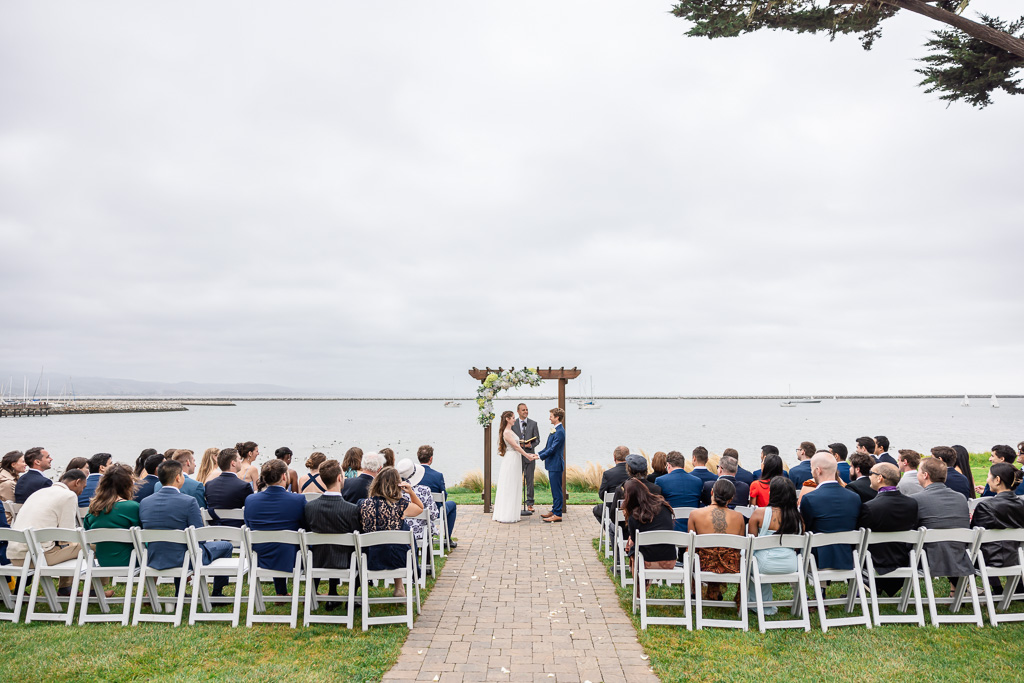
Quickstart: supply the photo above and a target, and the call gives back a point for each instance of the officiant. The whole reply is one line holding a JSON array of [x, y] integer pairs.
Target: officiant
[[529, 436]]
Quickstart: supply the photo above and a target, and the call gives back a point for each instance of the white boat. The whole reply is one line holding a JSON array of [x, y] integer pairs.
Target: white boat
[[994, 402], [589, 403], [787, 404], [452, 404], [966, 403]]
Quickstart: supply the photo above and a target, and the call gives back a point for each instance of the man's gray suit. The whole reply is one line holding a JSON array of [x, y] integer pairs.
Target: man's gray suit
[[529, 466], [940, 507]]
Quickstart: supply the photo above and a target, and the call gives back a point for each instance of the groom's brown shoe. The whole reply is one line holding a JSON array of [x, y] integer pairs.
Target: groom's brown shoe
[[547, 514], [552, 518]]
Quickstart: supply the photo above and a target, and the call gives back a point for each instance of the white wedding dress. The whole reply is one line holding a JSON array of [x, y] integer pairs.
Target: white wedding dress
[[508, 501]]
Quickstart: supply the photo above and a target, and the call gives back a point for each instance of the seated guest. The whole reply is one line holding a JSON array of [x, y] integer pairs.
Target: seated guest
[[169, 509], [657, 466], [191, 487], [699, 458], [866, 445], [113, 508], [860, 482], [612, 478], [780, 516], [954, 479], [208, 466], [310, 483], [352, 462], [1002, 510], [888, 511], [79, 463], [11, 468], [908, 463], [37, 460], [357, 488], [839, 451], [389, 456], [801, 472], [718, 518], [963, 466], [331, 514], [98, 464], [147, 486], [140, 463], [248, 451], [742, 475], [284, 453], [636, 468], [939, 507], [645, 511], [385, 510], [766, 450], [275, 509], [1002, 453], [227, 491], [51, 507], [830, 508], [760, 490], [413, 473], [434, 481], [680, 488], [881, 450], [727, 470]]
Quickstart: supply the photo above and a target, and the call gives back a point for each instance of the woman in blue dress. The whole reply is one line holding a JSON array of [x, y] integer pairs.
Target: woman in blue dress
[[781, 516]]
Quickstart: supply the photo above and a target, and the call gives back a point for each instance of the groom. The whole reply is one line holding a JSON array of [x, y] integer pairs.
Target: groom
[[529, 437], [553, 456]]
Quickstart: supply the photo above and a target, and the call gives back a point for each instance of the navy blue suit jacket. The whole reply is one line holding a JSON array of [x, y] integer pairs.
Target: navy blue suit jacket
[[146, 488], [827, 509], [705, 475], [682, 490], [29, 483], [885, 457], [745, 476], [168, 508], [433, 480], [226, 492], [356, 488], [958, 483], [741, 497], [275, 509], [91, 482], [844, 471], [800, 473], [553, 454]]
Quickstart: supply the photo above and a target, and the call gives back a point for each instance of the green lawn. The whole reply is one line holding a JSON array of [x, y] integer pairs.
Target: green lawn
[[207, 651], [886, 653]]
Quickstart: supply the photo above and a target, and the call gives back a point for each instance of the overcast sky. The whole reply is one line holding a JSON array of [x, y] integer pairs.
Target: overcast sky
[[371, 198]]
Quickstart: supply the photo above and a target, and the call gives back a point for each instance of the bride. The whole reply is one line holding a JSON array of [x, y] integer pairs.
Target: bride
[[510, 478]]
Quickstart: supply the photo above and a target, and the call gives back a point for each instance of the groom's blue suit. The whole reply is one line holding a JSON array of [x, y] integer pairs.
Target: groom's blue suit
[[553, 456]]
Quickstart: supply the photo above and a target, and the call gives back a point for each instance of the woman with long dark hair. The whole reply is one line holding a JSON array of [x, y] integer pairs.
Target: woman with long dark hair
[[140, 463], [646, 511], [11, 468], [760, 489], [113, 508], [717, 518], [510, 477], [780, 516], [963, 466]]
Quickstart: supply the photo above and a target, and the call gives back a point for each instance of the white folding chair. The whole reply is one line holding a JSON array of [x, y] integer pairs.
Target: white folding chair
[[80, 515], [910, 575], [745, 510], [207, 519], [606, 525], [619, 562], [257, 601], [95, 574], [741, 543], [234, 567], [309, 541], [971, 538], [312, 496], [45, 571], [798, 604], [424, 550], [973, 503], [852, 578], [407, 573], [440, 499], [12, 509], [233, 514], [14, 601], [675, 575], [148, 576], [1013, 574]]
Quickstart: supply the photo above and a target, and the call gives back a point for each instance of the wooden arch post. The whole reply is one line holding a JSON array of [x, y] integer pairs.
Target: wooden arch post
[[563, 376]]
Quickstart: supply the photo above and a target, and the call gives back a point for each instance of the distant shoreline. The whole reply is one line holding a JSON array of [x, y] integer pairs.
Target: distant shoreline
[[226, 400]]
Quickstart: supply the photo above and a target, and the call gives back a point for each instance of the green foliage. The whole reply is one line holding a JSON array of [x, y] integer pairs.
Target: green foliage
[[968, 69]]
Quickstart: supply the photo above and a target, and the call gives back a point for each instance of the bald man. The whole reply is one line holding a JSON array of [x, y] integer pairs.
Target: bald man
[[830, 508]]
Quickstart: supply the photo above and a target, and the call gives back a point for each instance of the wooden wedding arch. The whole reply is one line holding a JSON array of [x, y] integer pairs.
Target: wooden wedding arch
[[563, 376]]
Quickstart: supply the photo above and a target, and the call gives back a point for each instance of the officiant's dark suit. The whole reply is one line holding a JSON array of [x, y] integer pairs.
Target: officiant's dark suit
[[527, 429]]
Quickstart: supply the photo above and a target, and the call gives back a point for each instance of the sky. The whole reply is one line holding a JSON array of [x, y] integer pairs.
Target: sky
[[371, 198]]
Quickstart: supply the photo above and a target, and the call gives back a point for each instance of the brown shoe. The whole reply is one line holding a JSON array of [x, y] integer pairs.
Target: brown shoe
[[552, 518], [530, 508], [547, 514]]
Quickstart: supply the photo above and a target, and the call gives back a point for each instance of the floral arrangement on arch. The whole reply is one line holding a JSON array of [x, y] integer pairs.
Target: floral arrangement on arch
[[496, 382]]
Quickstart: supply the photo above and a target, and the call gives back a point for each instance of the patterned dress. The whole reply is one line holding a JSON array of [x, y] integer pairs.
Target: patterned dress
[[377, 514]]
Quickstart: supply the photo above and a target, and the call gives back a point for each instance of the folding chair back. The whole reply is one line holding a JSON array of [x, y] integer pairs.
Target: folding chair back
[[910, 574], [745, 510], [407, 573], [619, 563], [312, 496], [230, 513], [14, 601], [148, 576], [235, 567], [606, 524], [425, 555], [257, 574], [311, 540], [971, 538], [440, 499], [852, 578], [44, 571], [1014, 574], [12, 509], [797, 579], [731, 541], [95, 575], [677, 574]]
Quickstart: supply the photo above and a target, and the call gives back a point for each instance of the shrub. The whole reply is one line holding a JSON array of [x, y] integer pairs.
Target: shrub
[[472, 481], [585, 478], [541, 480]]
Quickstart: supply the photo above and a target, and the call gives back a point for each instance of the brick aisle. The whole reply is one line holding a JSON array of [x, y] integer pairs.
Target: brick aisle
[[523, 602]]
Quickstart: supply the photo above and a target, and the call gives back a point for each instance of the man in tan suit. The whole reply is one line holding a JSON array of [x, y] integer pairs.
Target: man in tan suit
[[55, 506]]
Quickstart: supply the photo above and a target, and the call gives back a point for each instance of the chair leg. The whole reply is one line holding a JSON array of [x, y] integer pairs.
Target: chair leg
[[74, 592]]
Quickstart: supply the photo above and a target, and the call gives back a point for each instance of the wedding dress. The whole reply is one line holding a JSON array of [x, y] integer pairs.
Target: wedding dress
[[508, 501]]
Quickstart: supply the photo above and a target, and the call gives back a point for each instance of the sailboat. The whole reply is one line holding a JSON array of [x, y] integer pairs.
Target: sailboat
[[452, 403], [589, 403], [994, 402], [790, 402], [966, 403]]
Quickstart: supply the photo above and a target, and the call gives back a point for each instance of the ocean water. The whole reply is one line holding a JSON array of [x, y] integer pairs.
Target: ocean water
[[591, 435]]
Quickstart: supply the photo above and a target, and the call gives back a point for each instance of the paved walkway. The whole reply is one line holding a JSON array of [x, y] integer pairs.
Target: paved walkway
[[523, 602]]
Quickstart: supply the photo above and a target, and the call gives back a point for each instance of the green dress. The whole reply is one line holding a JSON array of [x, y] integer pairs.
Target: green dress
[[124, 515]]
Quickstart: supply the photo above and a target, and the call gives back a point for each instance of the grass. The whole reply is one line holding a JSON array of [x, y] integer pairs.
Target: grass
[[205, 651], [884, 653]]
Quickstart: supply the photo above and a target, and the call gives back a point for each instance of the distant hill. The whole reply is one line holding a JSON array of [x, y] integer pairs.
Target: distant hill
[[106, 386]]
